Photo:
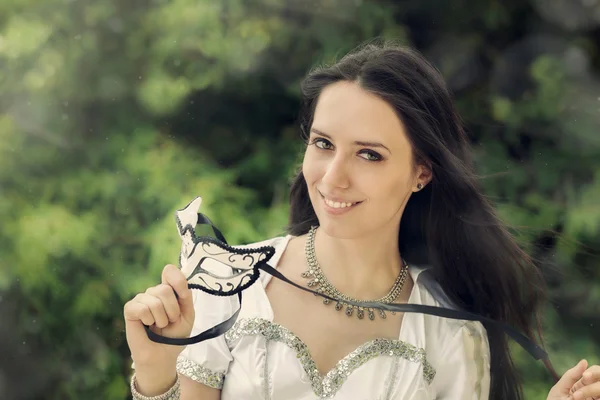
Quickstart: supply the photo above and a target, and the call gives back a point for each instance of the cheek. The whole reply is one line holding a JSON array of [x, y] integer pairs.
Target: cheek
[[310, 167], [389, 186]]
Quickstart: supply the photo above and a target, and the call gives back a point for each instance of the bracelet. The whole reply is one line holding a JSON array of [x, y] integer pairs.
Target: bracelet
[[174, 393]]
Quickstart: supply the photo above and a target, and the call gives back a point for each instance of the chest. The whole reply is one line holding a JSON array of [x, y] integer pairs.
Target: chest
[[311, 351], [330, 335]]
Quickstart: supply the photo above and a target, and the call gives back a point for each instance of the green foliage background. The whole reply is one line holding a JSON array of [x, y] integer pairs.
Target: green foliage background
[[114, 114]]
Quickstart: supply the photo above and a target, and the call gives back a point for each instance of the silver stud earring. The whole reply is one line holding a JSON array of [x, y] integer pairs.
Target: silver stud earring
[[419, 186]]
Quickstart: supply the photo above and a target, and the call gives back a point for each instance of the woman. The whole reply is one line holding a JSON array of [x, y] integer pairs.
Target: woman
[[386, 207]]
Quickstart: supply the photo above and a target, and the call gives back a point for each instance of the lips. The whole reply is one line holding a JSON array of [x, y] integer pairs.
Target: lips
[[338, 203]]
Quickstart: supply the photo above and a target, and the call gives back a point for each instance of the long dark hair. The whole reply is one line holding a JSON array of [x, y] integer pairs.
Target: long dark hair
[[448, 225]]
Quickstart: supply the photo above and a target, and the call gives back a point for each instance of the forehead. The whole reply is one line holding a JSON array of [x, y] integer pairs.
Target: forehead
[[345, 110]]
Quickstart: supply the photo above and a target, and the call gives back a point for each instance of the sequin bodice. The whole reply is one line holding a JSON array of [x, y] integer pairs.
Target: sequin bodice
[[258, 359]]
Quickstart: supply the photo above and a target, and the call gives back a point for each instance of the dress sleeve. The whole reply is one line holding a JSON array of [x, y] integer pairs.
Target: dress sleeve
[[464, 371], [207, 362]]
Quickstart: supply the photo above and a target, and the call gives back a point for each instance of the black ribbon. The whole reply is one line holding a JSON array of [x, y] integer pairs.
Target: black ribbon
[[537, 352]]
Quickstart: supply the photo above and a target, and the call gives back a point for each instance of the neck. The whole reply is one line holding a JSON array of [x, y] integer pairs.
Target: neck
[[364, 267]]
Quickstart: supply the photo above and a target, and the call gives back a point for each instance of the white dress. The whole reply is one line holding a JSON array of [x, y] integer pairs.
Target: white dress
[[433, 358]]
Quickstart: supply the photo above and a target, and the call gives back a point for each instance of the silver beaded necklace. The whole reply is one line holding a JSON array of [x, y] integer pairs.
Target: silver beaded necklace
[[321, 284]]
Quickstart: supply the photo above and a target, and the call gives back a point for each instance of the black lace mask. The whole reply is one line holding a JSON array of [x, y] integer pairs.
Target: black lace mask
[[212, 265]]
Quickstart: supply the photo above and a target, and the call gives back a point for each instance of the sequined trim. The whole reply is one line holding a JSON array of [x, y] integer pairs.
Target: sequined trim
[[266, 377], [391, 380], [199, 373], [328, 385]]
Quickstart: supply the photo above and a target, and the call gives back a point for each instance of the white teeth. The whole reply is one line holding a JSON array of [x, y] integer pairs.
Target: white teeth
[[337, 204]]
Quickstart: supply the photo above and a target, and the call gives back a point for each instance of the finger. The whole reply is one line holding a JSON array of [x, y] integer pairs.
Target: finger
[[173, 277], [578, 385], [571, 377], [136, 311], [592, 391], [166, 294], [591, 375], [156, 307]]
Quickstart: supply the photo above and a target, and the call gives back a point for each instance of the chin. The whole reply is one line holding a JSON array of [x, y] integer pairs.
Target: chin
[[341, 229]]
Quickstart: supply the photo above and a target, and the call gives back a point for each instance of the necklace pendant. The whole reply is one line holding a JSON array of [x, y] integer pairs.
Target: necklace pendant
[[313, 283], [338, 306], [307, 274], [382, 314], [326, 301], [371, 314], [349, 310], [360, 313]]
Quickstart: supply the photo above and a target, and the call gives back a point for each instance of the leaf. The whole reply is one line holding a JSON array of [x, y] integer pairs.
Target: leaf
[[583, 212]]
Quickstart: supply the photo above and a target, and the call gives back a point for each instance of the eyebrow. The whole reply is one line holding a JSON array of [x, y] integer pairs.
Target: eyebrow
[[358, 142]]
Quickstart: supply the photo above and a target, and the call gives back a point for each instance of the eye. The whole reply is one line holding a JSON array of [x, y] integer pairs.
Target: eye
[[371, 155], [322, 144]]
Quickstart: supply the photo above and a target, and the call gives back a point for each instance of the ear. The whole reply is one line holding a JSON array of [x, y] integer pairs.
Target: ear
[[423, 175]]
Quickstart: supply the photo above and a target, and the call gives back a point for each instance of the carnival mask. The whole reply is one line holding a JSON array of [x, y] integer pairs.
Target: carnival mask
[[212, 265]]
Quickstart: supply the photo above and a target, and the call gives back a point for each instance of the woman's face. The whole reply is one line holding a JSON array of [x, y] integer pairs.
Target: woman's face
[[358, 164]]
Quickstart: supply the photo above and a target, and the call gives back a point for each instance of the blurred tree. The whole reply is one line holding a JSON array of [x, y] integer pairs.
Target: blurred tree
[[113, 115]]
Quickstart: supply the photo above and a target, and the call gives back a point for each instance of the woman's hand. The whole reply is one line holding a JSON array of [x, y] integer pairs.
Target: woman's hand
[[167, 315], [578, 383], [588, 385]]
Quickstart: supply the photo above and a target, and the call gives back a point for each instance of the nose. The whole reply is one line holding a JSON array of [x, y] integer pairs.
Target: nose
[[336, 173]]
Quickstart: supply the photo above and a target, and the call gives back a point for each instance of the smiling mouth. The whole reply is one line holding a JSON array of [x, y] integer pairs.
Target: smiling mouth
[[338, 204]]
